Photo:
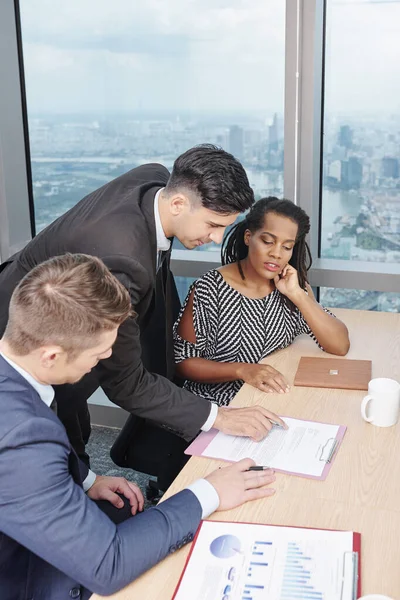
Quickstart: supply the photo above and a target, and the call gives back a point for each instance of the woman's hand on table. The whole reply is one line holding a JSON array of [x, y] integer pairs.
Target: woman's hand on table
[[263, 377]]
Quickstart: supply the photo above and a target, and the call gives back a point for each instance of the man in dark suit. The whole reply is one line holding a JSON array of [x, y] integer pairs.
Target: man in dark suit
[[129, 224], [55, 542]]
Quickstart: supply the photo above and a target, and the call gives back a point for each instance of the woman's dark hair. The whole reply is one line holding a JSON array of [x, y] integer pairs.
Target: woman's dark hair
[[234, 248]]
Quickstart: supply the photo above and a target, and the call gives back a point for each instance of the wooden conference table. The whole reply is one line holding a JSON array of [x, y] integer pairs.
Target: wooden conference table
[[362, 491]]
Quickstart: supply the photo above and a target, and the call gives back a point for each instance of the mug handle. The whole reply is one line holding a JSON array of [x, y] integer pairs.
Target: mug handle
[[364, 409]]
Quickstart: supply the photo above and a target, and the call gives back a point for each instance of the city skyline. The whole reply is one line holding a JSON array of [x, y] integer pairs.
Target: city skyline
[[360, 203]]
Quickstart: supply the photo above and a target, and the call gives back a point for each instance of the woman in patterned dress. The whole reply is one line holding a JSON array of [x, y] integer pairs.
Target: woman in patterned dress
[[259, 301]]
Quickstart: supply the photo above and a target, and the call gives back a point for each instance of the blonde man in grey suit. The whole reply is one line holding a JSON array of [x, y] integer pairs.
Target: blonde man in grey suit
[[55, 542]]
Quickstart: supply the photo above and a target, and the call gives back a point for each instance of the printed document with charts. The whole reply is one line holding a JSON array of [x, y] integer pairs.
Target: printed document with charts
[[247, 561], [306, 448]]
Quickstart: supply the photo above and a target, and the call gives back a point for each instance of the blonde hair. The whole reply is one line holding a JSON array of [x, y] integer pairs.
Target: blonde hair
[[66, 301]]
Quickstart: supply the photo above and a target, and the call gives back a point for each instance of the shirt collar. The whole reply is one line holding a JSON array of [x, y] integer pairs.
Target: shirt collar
[[46, 392], [163, 243]]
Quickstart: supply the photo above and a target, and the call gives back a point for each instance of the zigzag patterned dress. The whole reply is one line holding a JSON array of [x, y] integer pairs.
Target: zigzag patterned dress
[[230, 327]]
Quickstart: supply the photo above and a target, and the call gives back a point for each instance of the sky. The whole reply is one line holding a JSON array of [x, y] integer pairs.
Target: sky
[[362, 56], [153, 54], [219, 55]]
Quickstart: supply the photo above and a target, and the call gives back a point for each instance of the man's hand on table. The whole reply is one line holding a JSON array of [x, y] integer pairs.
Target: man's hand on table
[[254, 422], [236, 485]]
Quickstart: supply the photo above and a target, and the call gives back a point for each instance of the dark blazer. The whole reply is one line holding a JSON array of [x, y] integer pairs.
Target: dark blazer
[[55, 543], [116, 223]]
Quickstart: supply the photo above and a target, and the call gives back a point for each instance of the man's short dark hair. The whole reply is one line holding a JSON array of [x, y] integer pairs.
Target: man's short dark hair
[[216, 176]]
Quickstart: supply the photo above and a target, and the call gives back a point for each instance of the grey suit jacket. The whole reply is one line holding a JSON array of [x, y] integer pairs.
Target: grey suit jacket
[[55, 543], [116, 223]]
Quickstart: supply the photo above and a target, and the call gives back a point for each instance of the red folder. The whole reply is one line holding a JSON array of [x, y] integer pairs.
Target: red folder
[[356, 552]]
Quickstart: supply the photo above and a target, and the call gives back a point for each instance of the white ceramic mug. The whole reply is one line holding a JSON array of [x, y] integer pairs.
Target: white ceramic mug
[[381, 406], [375, 597]]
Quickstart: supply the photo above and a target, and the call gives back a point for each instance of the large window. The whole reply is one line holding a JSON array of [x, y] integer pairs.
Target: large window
[[361, 175], [112, 85]]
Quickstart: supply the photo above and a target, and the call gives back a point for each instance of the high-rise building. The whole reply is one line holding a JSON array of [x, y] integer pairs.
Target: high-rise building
[[351, 173], [236, 141], [273, 135], [390, 167], [345, 137], [355, 172]]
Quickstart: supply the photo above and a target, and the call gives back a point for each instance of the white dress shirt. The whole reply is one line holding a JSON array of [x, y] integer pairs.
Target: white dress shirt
[[202, 489], [163, 244]]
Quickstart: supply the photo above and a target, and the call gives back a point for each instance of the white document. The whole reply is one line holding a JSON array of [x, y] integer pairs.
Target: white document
[[238, 561], [303, 448]]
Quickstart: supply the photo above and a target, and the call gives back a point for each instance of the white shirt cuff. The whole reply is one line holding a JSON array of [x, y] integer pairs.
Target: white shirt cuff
[[89, 481], [206, 494], [211, 417]]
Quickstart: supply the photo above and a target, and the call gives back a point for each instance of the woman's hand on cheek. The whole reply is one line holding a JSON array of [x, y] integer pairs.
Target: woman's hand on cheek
[[287, 282]]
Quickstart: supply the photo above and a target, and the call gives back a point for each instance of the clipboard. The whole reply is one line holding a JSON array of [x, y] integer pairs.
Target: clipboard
[[327, 452], [350, 575]]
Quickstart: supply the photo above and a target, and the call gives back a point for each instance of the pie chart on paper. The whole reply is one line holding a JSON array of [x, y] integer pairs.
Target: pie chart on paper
[[225, 546]]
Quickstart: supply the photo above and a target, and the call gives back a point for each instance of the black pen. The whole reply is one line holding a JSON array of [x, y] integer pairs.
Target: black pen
[[257, 468], [275, 424]]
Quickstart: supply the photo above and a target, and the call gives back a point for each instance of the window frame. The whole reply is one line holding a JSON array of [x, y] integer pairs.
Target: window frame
[[17, 222], [325, 272]]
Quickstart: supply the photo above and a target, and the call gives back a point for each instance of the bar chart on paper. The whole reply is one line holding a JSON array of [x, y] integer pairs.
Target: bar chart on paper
[[257, 571], [297, 577], [296, 573], [239, 561]]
